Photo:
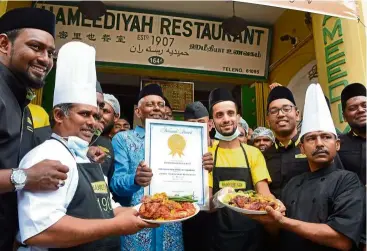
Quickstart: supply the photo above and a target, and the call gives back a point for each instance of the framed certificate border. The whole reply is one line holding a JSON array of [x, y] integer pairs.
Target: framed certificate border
[[203, 202]]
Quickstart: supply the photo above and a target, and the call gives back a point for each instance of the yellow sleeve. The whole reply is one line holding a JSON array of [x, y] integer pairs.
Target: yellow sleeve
[[259, 170]]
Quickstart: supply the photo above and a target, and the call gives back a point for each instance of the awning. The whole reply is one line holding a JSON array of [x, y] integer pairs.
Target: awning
[[337, 8]]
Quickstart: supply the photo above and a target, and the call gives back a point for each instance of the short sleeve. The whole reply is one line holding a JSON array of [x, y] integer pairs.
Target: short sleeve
[[347, 213], [258, 168], [39, 210]]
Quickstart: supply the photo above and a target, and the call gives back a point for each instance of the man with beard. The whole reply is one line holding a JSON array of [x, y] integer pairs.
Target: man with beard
[[132, 174], [110, 114], [353, 144], [27, 49], [324, 205], [283, 159], [262, 138], [239, 166], [80, 215]]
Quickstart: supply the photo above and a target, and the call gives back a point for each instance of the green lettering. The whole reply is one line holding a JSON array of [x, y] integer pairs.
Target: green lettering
[[332, 87], [126, 20], [259, 33], [206, 32], [326, 18], [165, 25], [73, 18], [331, 48], [176, 27], [333, 69], [148, 24], [107, 17], [187, 25], [135, 24], [60, 16], [337, 27]]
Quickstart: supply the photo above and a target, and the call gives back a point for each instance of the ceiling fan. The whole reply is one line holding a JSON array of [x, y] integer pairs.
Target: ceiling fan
[[92, 9], [234, 25]]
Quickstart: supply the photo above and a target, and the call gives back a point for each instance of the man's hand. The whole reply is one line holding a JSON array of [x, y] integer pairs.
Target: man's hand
[[128, 222], [273, 85], [143, 174], [208, 162], [96, 154], [273, 217], [45, 176]]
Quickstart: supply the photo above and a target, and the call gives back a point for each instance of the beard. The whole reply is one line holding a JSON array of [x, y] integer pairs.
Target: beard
[[360, 128], [108, 128], [25, 77], [226, 133]]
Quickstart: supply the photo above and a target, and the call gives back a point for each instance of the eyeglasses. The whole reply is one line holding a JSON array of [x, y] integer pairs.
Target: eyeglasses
[[285, 109]]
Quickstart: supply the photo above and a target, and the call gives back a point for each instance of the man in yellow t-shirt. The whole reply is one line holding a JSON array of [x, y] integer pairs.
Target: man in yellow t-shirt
[[39, 116], [239, 166]]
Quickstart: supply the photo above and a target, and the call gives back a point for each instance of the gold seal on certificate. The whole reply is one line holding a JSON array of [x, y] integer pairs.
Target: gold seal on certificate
[[176, 144], [174, 151]]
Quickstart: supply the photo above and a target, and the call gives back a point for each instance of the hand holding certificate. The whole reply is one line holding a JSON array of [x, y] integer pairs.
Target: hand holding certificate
[[174, 151]]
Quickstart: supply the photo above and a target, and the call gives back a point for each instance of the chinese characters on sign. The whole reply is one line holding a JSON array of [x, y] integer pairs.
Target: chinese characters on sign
[[158, 40]]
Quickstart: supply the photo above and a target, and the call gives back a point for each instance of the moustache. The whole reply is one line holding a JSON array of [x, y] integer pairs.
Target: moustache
[[318, 151]]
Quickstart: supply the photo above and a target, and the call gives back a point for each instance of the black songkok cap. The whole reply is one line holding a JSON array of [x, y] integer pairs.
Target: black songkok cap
[[99, 87], [351, 91], [280, 92], [166, 103], [195, 110], [150, 89], [219, 95], [34, 18]]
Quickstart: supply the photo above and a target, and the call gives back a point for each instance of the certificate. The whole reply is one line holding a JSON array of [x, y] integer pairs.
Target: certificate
[[174, 151]]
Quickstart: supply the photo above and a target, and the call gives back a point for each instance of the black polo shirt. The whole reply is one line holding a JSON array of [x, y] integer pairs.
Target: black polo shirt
[[16, 139], [284, 163], [353, 154], [328, 196]]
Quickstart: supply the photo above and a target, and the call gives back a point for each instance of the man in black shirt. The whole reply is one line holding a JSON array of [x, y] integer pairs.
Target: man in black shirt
[[353, 144], [325, 205], [27, 49], [283, 159]]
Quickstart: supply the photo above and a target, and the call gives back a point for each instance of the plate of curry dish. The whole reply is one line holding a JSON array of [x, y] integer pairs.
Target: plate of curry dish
[[248, 202], [160, 208]]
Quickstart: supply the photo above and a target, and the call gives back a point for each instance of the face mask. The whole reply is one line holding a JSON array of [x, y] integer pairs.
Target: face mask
[[227, 138], [78, 147]]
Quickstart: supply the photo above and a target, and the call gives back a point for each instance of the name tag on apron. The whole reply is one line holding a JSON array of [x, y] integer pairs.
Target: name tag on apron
[[100, 187], [300, 156], [235, 184]]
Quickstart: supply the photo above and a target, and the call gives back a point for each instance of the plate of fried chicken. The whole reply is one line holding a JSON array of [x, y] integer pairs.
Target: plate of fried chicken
[[248, 202], [159, 208]]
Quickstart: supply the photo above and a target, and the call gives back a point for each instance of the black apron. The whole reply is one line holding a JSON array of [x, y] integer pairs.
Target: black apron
[[92, 201], [234, 231]]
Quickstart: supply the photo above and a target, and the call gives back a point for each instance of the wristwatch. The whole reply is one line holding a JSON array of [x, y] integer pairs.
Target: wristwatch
[[18, 178]]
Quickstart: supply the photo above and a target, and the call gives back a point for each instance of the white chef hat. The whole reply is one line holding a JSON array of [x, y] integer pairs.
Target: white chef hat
[[76, 75], [316, 114]]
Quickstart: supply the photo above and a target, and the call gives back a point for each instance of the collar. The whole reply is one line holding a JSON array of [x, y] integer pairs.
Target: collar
[[140, 131], [292, 142], [19, 90], [353, 134], [322, 172]]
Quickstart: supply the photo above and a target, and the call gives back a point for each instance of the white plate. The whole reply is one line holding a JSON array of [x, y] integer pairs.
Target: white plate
[[237, 209], [137, 207]]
